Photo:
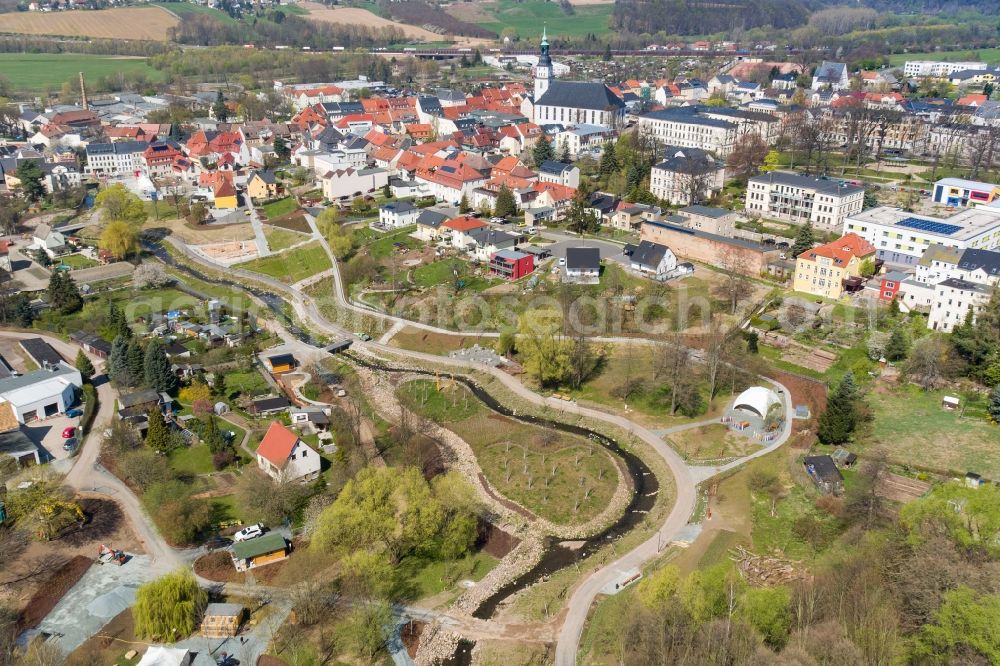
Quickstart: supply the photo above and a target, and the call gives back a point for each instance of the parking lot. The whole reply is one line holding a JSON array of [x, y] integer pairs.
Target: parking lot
[[47, 436], [30, 275]]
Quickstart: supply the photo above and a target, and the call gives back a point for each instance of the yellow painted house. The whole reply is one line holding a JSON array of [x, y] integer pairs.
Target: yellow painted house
[[263, 186], [225, 195], [822, 270]]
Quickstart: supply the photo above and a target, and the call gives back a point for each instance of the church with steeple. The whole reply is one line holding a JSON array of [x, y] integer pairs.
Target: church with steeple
[[572, 102]]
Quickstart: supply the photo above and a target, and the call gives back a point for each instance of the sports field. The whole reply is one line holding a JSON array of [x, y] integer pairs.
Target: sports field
[[39, 72], [136, 23]]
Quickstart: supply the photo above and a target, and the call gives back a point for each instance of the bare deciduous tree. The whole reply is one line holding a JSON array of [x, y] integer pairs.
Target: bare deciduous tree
[[736, 267]]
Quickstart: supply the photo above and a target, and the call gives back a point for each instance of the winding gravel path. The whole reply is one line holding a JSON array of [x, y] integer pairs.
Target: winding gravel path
[[686, 477]]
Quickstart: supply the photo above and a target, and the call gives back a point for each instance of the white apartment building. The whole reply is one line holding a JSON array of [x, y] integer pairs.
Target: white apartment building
[[901, 238], [684, 170], [937, 68], [713, 129], [788, 196], [679, 127], [116, 159], [952, 301]]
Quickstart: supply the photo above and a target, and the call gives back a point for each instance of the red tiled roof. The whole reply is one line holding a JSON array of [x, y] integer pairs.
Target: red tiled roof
[[464, 223], [841, 250], [277, 444]]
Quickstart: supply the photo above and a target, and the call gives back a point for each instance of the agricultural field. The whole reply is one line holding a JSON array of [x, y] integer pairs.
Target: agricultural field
[[562, 478], [989, 56], [291, 266], [133, 23], [527, 17], [363, 17], [182, 9], [39, 72], [915, 430]]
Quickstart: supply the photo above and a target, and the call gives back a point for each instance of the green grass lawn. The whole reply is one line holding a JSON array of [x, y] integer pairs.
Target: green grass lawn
[[913, 429], [227, 509], [382, 246], [527, 18], [280, 207], [430, 578], [650, 404], [249, 383], [445, 406], [442, 272], [78, 261], [182, 9], [560, 477], [281, 239], [293, 265], [38, 72], [192, 460], [136, 303], [711, 442]]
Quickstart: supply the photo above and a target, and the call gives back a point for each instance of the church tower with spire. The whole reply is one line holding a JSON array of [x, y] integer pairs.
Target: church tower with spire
[[543, 70]]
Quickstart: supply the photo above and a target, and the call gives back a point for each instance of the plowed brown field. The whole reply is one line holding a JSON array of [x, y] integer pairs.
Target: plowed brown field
[[140, 23]]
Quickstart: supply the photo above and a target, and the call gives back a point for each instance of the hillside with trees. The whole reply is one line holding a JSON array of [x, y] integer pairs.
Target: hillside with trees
[[690, 17]]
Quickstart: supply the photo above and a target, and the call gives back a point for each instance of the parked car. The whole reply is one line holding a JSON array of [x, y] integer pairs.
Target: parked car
[[363, 336], [249, 532], [74, 413], [562, 261], [69, 444], [69, 431]]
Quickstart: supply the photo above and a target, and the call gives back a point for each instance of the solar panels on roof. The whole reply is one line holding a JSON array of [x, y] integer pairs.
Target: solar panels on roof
[[930, 226]]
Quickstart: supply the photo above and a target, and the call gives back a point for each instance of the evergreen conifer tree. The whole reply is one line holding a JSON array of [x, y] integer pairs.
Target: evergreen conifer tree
[[84, 365], [994, 407], [156, 368], [118, 360], [506, 205], [897, 346], [838, 420], [542, 151], [135, 363], [25, 315], [609, 161], [158, 435], [803, 240]]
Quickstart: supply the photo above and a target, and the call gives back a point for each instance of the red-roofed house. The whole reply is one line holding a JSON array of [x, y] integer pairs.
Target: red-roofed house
[[972, 100], [356, 123], [516, 138], [159, 158], [451, 180], [284, 457], [824, 270], [420, 131]]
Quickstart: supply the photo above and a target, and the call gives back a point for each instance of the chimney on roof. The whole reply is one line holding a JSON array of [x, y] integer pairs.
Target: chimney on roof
[[83, 94]]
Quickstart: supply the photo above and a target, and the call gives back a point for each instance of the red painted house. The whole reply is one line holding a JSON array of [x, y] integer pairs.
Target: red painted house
[[511, 264], [889, 286]]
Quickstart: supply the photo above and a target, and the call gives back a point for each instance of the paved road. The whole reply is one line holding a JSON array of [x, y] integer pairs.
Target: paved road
[[686, 478], [258, 230], [88, 477]]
